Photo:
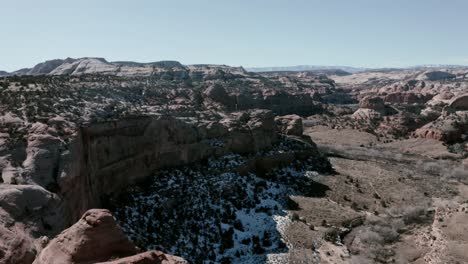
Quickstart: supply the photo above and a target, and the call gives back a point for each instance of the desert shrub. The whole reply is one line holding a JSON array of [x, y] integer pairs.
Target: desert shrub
[[332, 234], [388, 233], [412, 214], [382, 254], [370, 237], [460, 174], [416, 215], [432, 168]]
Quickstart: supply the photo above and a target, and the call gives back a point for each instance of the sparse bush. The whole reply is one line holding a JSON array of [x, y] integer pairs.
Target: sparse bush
[[332, 234], [388, 233], [370, 237], [416, 215]]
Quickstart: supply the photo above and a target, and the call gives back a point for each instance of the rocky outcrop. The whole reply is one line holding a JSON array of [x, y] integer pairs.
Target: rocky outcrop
[[96, 237], [407, 98], [290, 125], [113, 155], [460, 102], [16, 246], [449, 128], [372, 109], [367, 114], [218, 94], [374, 103], [25, 210], [149, 257], [42, 161], [62, 179]]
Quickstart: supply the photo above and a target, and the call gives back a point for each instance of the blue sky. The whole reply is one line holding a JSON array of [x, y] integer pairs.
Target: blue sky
[[369, 33]]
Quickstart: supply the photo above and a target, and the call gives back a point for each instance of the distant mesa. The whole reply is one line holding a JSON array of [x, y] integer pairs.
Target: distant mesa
[[90, 65], [4, 73], [439, 76], [335, 70]]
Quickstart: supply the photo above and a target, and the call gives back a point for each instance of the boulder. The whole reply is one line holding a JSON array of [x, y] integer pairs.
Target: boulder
[[289, 125], [96, 237]]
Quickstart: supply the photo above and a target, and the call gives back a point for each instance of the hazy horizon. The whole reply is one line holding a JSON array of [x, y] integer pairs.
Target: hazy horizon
[[360, 33]]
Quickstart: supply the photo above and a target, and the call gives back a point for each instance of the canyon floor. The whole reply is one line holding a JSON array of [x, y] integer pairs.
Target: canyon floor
[[408, 204]]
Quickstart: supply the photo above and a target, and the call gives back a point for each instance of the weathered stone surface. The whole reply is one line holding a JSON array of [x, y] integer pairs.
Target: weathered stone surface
[[374, 103], [95, 237], [407, 98], [16, 247], [460, 102], [42, 160], [290, 125], [367, 114], [149, 257], [449, 128], [107, 157], [22, 200], [217, 93]]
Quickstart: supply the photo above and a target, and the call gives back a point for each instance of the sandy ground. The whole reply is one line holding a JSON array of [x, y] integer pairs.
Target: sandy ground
[[375, 179]]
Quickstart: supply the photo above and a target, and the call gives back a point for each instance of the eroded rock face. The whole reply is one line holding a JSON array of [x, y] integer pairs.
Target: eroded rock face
[[16, 246], [96, 237], [217, 93], [149, 257], [62, 179], [450, 128], [367, 114], [117, 154], [21, 200], [407, 98], [42, 160], [25, 210], [290, 125], [460, 102], [374, 103], [372, 108]]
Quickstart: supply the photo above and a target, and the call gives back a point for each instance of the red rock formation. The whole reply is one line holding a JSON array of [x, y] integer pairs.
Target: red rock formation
[[109, 156], [447, 128], [407, 98], [95, 237], [149, 257]]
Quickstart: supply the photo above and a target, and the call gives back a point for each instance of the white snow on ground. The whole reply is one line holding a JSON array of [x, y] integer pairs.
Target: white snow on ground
[[208, 213]]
